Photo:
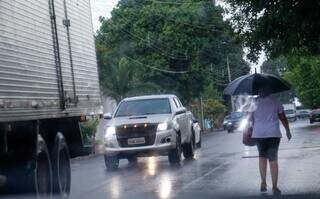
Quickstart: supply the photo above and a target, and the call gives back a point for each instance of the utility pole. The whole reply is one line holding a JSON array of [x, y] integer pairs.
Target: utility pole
[[228, 67], [201, 110], [229, 76]]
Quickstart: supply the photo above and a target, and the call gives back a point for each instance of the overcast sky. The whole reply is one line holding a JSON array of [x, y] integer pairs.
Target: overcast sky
[[101, 8], [104, 8]]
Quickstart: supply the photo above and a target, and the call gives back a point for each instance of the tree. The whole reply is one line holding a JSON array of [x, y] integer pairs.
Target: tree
[[278, 27], [304, 75], [119, 81], [181, 47], [275, 66]]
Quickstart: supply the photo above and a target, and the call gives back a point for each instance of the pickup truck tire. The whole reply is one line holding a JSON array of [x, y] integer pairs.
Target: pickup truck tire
[[112, 162], [41, 176], [133, 160], [199, 143], [175, 154], [61, 167], [188, 148]]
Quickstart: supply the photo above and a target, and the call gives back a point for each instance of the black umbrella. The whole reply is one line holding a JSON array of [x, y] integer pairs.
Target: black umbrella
[[255, 83]]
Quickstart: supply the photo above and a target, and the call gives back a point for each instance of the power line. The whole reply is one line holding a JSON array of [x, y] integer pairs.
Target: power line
[[179, 3], [151, 45], [157, 68]]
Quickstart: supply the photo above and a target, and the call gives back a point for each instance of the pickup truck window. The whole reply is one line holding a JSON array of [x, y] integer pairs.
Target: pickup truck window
[[179, 102], [143, 107], [176, 103]]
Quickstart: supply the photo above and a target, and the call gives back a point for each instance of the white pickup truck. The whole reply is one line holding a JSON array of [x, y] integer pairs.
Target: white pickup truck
[[149, 125], [290, 111]]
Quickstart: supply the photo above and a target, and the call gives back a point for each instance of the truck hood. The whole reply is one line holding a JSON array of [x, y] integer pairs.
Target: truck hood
[[118, 121]]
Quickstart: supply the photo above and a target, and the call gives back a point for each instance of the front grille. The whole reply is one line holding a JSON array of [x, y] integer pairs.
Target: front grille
[[125, 132]]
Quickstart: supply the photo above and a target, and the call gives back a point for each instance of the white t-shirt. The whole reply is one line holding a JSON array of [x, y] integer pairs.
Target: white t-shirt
[[266, 119]]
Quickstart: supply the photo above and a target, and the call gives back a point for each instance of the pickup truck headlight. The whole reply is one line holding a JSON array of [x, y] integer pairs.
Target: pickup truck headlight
[[162, 126], [110, 132]]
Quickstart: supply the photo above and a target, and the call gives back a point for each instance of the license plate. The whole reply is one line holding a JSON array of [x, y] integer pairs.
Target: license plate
[[134, 141]]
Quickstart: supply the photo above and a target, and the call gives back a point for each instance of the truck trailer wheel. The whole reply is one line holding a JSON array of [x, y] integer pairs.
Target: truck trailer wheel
[[175, 154], [188, 148], [41, 176], [61, 167], [112, 162]]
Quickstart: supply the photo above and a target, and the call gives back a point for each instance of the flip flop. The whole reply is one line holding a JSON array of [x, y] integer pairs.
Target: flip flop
[[276, 192], [263, 187]]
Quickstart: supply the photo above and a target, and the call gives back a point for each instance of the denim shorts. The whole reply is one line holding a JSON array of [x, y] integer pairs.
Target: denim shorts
[[268, 148]]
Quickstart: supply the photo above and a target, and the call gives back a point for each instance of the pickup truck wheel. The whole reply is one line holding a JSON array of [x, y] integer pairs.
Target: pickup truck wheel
[[175, 154], [188, 148], [112, 162], [199, 143], [61, 167], [133, 160]]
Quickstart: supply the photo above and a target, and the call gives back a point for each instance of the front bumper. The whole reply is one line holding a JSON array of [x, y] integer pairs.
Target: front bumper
[[315, 119], [159, 147]]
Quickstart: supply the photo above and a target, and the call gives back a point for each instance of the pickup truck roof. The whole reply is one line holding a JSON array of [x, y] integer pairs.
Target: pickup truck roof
[[149, 97]]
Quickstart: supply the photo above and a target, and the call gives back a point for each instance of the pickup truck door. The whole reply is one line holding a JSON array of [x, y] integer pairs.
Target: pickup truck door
[[181, 120]]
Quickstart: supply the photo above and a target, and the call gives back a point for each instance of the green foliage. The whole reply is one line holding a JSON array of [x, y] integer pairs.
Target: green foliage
[[120, 81], [275, 66], [278, 66], [153, 37], [89, 129], [278, 27], [211, 92], [214, 110], [304, 75]]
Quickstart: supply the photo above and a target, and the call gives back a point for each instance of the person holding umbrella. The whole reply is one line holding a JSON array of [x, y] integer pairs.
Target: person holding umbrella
[[265, 119]]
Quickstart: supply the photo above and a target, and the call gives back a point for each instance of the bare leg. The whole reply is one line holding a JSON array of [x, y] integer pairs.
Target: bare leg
[[263, 170], [274, 173]]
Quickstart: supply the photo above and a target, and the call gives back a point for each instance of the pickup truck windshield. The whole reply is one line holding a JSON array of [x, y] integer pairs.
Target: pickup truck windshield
[[236, 115], [143, 107], [289, 111]]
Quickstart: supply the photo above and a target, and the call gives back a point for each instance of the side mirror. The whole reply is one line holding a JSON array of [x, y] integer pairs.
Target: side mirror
[[107, 116], [181, 111]]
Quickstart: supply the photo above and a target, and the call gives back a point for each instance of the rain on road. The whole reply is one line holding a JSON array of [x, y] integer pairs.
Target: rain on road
[[222, 167]]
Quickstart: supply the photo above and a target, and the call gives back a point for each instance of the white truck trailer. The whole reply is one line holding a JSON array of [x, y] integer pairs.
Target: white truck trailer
[[48, 84]]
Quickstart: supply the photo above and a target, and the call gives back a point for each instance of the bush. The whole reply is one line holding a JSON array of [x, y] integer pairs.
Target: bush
[[214, 110], [88, 130]]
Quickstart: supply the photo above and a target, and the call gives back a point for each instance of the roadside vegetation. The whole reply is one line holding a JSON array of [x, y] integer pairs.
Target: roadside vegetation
[[181, 47]]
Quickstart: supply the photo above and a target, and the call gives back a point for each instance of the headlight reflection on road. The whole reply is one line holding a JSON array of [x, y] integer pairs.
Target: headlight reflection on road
[[115, 187], [246, 150], [165, 186], [152, 166]]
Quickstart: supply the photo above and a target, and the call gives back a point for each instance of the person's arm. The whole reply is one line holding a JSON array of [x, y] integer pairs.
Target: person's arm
[[285, 123]]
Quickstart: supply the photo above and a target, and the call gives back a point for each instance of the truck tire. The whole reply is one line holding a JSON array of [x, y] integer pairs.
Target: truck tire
[[32, 176], [61, 167], [41, 175], [175, 154], [188, 148], [112, 162]]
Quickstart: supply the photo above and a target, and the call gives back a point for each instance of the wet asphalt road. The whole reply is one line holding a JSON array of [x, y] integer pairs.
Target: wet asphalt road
[[223, 167]]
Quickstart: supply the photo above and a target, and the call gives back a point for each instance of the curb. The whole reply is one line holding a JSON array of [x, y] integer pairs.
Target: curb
[[98, 152], [86, 157]]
